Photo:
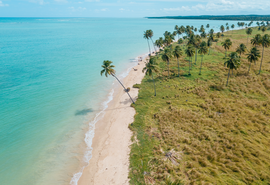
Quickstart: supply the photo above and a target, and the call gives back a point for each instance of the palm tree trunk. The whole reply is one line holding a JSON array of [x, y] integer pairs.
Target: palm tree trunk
[[228, 77], [209, 51], [191, 63], [201, 65], [154, 85], [124, 88], [247, 40], [149, 47], [232, 71], [189, 66], [178, 67], [261, 61], [168, 68], [153, 45], [249, 67], [196, 57]]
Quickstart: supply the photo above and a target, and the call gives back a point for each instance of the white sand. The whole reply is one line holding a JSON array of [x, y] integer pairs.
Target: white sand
[[110, 156]]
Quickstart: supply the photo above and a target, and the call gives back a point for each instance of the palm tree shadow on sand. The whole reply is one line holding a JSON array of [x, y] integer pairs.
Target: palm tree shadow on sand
[[83, 112]]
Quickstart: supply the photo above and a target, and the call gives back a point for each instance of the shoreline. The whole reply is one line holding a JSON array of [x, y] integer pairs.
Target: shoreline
[[109, 163]]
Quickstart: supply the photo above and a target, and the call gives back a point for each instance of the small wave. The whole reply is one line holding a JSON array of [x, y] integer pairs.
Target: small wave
[[89, 138]]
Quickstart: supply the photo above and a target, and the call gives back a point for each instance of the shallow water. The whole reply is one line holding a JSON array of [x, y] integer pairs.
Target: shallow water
[[51, 88]]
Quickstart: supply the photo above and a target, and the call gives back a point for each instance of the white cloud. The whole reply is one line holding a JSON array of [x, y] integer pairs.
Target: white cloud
[[61, 1], [92, 0], [79, 9], [41, 2], [2, 4]]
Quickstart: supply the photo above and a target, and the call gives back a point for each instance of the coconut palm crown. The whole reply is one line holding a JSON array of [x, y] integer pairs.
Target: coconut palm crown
[[232, 62]]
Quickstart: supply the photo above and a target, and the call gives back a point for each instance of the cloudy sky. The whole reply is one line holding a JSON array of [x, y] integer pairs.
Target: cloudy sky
[[129, 8]]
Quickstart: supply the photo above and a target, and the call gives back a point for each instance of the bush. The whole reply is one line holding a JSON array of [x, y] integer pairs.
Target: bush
[[137, 86]]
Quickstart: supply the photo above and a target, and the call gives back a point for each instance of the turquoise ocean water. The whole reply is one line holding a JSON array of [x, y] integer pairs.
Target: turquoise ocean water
[[51, 89]]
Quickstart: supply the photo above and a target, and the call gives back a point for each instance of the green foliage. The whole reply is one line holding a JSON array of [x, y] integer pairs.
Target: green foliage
[[197, 130]]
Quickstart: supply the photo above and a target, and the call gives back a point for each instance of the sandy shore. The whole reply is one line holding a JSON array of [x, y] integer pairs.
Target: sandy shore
[[110, 156]]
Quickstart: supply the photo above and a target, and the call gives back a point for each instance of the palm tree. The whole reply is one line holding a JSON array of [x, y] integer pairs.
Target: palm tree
[[108, 70], [207, 26], [159, 42], [233, 62], [151, 34], [146, 36], [227, 44], [166, 58], [202, 50], [211, 31], [256, 41], [218, 34], [197, 45], [228, 28], [232, 26], [265, 42], [222, 29], [177, 52], [241, 49], [190, 51], [150, 68], [248, 32], [263, 29], [209, 44], [179, 32], [253, 56], [203, 34]]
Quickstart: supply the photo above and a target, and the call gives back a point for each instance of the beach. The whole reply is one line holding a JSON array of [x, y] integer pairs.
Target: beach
[[110, 156]]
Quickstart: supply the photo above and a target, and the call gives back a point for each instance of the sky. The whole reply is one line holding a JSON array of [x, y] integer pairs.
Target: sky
[[130, 8]]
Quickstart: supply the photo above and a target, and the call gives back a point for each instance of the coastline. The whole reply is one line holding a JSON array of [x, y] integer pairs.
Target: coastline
[[110, 145]]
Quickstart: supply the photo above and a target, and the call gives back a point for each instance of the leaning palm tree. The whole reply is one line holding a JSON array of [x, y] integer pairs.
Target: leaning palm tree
[[190, 51], [108, 70], [232, 26], [197, 45], [177, 52], [202, 51], [241, 49], [146, 36], [233, 62], [248, 32], [265, 42], [151, 34], [253, 56], [226, 44], [256, 41], [150, 68], [166, 58]]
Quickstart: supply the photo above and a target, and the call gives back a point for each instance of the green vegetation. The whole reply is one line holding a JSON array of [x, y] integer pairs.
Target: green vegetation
[[197, 130], [222, 17]]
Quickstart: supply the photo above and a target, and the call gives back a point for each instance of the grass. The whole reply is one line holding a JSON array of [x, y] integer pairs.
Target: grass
[[197, 130]]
